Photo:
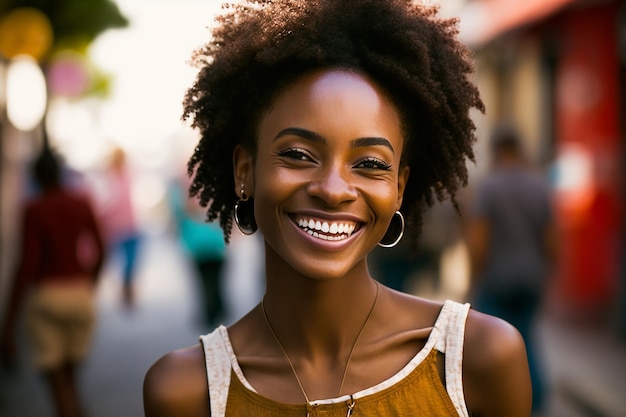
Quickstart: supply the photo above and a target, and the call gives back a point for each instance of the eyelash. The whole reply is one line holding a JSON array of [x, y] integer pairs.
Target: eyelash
[[377, 164], [370, 162], [295, 153]]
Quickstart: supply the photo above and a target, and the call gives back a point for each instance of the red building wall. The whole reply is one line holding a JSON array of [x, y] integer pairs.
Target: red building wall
[[589, 148]]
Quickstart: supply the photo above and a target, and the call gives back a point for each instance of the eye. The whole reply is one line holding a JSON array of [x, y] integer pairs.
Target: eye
[[371, 163], [295, 153]]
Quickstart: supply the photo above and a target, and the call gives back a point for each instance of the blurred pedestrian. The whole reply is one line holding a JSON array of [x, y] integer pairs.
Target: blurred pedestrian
[[512, 243], [60, 261], [204, 243], [117, 212]]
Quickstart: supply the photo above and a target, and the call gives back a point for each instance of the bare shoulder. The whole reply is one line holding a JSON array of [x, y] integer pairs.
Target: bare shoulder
[[176, 385], [407, 310], [490, 340], [495, 368]]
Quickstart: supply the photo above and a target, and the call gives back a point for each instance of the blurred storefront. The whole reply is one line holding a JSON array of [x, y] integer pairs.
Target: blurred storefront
[[557, 69]]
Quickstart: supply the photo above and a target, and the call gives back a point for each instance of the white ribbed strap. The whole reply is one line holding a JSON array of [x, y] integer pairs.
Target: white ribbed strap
[[451, 324], [218, 369]]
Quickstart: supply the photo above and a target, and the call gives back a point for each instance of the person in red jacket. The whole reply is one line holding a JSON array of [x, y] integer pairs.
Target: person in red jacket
[[61, 256]]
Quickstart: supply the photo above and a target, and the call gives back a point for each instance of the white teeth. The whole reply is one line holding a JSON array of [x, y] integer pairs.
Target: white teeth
[[326, 230]]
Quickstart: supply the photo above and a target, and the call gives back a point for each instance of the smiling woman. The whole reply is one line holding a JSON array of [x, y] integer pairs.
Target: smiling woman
[[324, 124]]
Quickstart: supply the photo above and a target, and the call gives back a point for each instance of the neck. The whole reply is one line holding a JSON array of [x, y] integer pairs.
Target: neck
[[314, 316]]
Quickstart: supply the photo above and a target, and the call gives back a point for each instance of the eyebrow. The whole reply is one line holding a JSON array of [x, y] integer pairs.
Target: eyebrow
[[317, 138], [303, 133]]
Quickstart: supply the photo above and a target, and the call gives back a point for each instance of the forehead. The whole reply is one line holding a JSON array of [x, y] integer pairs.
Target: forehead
[[334, 103]]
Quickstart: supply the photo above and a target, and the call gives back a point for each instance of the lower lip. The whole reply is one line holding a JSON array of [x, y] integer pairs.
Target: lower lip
[[333, 245]]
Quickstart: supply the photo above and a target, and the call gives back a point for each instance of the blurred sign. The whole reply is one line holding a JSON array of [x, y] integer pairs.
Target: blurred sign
[[68, 75], [25, 31]]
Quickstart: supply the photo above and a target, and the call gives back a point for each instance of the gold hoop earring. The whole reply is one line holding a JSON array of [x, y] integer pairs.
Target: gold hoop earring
[[386, 242], [244, 214]]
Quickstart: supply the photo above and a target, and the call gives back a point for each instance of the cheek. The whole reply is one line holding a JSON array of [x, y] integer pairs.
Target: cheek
[[274, 182], [273, 188], [382, 195]]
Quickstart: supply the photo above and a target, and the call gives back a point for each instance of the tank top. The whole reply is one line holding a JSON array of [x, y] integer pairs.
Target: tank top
[[415, 390]]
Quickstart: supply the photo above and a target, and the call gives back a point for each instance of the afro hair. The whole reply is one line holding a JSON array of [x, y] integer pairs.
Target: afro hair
[[260, 47]]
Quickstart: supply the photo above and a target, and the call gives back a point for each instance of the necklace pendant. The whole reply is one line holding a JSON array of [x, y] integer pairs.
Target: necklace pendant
[[350, 406]]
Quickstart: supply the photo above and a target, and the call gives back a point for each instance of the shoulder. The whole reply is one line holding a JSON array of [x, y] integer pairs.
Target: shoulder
[[176, 385], [489, 339], [495, 368], [407, 311]]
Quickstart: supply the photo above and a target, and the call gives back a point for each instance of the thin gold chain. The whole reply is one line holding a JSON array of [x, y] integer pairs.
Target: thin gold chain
[[345, 369]]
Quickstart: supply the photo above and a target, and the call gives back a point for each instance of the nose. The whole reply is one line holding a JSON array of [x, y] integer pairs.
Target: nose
[[333, 186]]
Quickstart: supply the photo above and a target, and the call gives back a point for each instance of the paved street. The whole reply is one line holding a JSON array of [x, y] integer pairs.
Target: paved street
[[587, 367]]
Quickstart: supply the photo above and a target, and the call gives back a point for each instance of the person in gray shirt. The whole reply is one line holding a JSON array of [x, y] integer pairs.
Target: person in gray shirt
[[512, 243]]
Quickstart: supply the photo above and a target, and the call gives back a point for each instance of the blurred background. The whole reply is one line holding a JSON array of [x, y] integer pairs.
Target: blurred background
[[93, 79]]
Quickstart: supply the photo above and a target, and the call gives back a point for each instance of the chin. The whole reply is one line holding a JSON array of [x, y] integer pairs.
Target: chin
[[324, 271]]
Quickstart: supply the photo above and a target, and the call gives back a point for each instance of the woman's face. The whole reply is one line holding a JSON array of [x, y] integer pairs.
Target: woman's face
[[326, 179]]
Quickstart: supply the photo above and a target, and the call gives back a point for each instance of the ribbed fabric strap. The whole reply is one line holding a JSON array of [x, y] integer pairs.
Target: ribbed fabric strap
[[218, 368], [450, 342]]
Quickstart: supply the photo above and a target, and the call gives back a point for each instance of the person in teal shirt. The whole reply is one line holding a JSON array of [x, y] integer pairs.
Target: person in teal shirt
[[204, 243]]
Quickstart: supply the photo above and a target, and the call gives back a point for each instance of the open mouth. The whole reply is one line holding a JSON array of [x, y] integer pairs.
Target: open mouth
[[326, 230]]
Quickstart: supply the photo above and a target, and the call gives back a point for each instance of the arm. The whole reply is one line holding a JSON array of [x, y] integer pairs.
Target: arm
[[552, 242], [477, 244], [477, 232], [98, 241], [496, 379], [176, 385]]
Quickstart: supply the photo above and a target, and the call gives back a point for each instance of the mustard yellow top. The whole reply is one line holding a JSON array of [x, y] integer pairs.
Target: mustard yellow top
[[416, 390], [419, 394]]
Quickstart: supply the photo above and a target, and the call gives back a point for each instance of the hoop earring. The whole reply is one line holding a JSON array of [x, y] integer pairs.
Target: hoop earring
[[391, 242], [244, 214]]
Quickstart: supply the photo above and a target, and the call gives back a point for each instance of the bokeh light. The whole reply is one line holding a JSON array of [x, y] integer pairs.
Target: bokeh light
[[26, 93]]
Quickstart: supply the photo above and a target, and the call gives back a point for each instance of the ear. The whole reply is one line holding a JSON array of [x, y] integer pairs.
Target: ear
[[403, 178], [243, 166]]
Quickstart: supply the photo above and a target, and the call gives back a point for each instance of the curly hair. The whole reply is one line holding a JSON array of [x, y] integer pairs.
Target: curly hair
[[260, 47]]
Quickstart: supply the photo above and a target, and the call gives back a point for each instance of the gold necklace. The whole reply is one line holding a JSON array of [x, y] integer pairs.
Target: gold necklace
[[345, 369]]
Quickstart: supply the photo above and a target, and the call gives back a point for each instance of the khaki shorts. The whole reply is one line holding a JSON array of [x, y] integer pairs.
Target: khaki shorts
[[60, 322]]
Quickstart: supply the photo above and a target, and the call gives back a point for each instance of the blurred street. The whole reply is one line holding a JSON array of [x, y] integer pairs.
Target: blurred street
[[126, 343], [586, 366]]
